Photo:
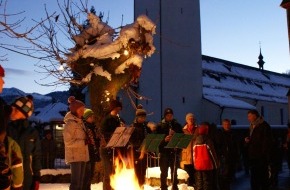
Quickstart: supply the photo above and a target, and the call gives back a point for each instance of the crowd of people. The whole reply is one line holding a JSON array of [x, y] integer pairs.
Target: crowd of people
[[210, 159]]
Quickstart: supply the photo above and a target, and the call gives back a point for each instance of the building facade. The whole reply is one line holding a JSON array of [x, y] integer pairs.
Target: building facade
[[172, 77]]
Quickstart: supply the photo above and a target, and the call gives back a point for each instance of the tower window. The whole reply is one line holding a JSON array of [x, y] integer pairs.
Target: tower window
[[282, 116]]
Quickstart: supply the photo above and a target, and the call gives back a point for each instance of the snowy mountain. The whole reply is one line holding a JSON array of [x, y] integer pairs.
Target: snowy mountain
[[9, 94], [59, 96], [49, 107], [40, 101]]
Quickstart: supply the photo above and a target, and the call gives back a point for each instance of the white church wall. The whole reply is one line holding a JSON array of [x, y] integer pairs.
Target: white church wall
[[210, 112], [172, 77], [274, 113]]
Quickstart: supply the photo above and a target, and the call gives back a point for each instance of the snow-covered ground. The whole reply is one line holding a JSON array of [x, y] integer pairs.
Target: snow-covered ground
[[99, 186], [151, 173]]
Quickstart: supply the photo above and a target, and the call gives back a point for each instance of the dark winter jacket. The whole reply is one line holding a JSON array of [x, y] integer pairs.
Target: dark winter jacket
[[228, 151], [94, 141], [109, 124], [261, 141], [28, 139], [4, 113], [164, 127], [48, 147], [140, 132]]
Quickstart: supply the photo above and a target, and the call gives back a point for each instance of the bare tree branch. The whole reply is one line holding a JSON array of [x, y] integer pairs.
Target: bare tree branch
[[88, 50]]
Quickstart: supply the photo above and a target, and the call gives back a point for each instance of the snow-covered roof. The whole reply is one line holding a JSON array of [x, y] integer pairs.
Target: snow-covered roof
[[51, 112], [225, 83]]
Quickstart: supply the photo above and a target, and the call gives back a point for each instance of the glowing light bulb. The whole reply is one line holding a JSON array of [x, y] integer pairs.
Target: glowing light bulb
[[61, 68], [126, 52]]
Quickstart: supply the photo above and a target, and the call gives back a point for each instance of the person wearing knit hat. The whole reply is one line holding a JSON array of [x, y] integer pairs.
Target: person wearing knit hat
[[168, 111], [115, 104], [189, 115], [141, 130], [109, 124], [75, 105], [140, 111], [93, 143], [23, 105], [76, 144], [169, 158], [186, 161], [23, 133], [205, 159], [88, 113]]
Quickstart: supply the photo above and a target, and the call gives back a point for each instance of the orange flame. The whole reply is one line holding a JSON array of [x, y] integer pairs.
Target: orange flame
[[124, 177]]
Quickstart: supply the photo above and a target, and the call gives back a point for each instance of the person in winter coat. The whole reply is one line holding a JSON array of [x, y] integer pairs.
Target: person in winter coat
[[11, 168], [205, 159], [141, 130], [186, 161], [108, 126], [48, 147], [28, 139], [168, 157], [228, 153], [260, 143], [94, 141], [76, 144], [4, 108]]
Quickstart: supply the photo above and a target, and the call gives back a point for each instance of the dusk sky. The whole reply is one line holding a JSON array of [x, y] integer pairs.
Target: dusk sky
[[230, 30]]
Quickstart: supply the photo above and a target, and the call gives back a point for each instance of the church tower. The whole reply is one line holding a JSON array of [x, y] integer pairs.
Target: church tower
[[172, 77], [261, 62]]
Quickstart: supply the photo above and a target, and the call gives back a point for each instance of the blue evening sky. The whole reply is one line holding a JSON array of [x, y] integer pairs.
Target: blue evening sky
[[230, 30]]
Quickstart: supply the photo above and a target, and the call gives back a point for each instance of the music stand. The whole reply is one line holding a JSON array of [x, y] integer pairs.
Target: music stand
[[120, 138], [178, 141], [151, 144]]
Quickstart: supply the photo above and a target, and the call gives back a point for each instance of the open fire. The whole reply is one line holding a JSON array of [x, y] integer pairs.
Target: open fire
[[124, 177]]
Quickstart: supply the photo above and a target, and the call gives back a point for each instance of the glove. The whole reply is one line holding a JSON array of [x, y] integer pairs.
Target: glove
[[35, 185]]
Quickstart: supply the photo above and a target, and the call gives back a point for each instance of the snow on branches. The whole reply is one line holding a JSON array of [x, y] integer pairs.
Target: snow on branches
[[97, 42], [90, 53]]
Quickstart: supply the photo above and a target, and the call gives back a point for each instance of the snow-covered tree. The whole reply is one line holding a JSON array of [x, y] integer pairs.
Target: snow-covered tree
[[105, 59]]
